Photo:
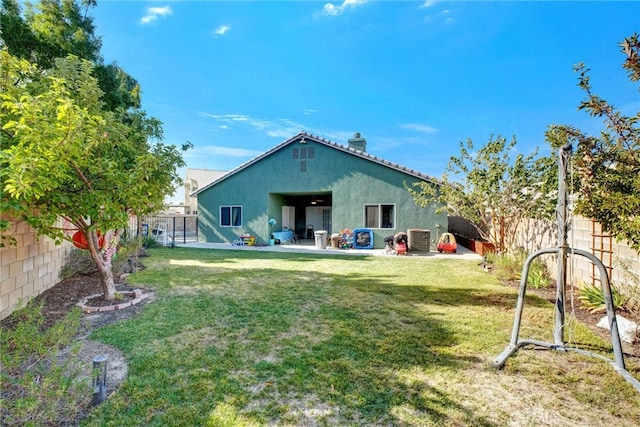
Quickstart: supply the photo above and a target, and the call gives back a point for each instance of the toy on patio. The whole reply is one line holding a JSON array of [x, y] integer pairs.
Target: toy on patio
[[346, 238], [447, 243], [401, 248], [396, 244]]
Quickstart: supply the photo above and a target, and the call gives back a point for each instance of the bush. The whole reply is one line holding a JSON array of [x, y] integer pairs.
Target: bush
[[538, 274], [126, 259], [80, 262], [630, 286], [150, 242], [592, 297], [37, 386], [508, 267]]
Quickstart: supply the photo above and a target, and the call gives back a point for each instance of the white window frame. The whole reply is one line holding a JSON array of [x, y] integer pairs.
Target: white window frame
[[231, 208], [379, 210]]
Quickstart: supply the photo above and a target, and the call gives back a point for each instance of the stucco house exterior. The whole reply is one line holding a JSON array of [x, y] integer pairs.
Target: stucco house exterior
[[308, 183]]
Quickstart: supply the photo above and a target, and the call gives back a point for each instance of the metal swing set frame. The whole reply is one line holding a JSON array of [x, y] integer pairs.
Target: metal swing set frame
[[564, 251]]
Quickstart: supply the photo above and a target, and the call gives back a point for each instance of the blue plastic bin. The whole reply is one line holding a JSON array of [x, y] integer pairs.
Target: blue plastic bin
[[363, 238]]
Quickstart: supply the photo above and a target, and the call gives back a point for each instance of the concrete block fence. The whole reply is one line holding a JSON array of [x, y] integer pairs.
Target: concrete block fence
[[28, 268], [586, 235]]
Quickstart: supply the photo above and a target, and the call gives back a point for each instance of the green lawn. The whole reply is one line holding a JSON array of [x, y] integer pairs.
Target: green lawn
[[264, 338]]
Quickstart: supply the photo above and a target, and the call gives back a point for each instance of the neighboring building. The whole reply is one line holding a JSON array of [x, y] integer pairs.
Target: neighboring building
[[307, 184], [195, 179]]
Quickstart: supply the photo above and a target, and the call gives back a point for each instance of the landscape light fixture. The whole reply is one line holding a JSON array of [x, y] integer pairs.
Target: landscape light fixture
[[100, 379]]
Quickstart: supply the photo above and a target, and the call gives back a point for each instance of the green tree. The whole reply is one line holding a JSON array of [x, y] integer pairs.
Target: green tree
[[54, 29], [493, 190], [74, 142], [608, 164], [15, 33], [62, 156]]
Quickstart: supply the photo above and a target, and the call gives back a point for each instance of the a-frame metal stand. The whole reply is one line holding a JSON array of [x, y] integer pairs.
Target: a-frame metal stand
[[563, 251]]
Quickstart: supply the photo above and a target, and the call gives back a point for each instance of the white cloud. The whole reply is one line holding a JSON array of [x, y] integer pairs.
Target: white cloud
[[154, 13], [216, 150], [428, 3], [280, 128], [222, 30], [330, 9], [419, 127]]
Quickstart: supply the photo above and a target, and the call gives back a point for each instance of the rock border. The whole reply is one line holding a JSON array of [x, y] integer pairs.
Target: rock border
[[136, 294]]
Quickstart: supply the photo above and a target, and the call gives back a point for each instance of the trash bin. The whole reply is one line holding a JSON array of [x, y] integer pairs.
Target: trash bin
[[321, 239]]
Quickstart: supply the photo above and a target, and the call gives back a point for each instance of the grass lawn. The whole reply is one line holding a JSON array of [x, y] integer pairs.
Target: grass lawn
[[239, 338]]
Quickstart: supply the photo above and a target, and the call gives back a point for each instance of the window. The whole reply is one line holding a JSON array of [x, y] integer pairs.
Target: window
[[230, 216], [295, 153], [303, 153], [379, 216], [311, 153], [303, 166]]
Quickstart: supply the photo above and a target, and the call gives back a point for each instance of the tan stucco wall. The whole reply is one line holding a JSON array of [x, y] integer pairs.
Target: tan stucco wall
[[28, 268]]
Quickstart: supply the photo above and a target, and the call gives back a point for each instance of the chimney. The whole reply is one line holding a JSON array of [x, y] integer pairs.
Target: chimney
[[358, 143]]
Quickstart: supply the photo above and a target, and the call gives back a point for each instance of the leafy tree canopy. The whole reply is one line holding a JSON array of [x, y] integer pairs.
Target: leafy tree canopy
[[63, 156], [494, 189], [608, 164], [74, 142], [54, 29], [50, 29]]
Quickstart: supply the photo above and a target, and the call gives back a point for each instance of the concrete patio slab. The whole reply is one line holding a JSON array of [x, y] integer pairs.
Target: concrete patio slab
[[463, 253]]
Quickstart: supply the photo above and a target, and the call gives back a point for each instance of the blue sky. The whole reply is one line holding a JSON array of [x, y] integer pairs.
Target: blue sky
[[415, 78]]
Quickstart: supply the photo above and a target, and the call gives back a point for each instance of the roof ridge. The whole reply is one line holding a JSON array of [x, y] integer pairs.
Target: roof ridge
[[328, 142]]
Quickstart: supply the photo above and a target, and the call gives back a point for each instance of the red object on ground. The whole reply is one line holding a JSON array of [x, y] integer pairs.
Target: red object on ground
[[81, 243], [401, 248], [447, 243]]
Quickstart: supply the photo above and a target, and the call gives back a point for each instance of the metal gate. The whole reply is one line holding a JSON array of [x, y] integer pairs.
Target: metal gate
[[167, 230]]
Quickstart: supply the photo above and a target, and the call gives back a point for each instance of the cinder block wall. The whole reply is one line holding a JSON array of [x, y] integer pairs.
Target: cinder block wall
[[28, 268], [581, 236]]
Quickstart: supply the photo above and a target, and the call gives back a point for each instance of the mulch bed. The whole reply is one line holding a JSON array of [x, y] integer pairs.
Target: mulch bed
[[60, 299]]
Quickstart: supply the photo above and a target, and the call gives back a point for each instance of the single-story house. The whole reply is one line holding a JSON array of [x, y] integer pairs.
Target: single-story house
[[308, 183]]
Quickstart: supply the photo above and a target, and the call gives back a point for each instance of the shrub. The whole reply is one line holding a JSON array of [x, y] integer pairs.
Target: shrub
[[508, 267], [126, 259], [538, 274], [38, 386], [592, 297], [149, 242], [79, 262], [630, 286]]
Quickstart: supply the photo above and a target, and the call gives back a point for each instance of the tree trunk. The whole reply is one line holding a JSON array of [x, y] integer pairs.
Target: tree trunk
[[106, 275], [106, 279]]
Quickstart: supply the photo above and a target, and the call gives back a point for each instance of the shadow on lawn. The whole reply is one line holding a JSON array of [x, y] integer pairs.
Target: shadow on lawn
[[356, 343]]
